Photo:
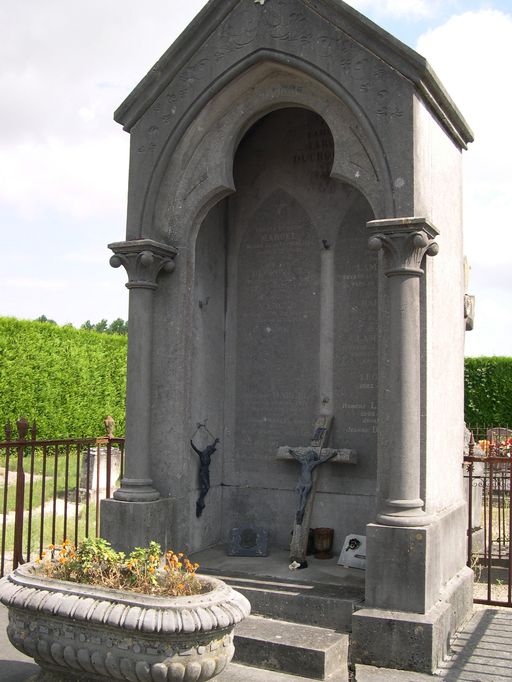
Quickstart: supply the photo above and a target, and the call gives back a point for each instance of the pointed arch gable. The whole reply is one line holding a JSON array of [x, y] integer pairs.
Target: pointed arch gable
[[194, 169]]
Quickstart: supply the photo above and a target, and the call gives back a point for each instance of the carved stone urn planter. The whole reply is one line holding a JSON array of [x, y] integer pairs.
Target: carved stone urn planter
[[86, 633]]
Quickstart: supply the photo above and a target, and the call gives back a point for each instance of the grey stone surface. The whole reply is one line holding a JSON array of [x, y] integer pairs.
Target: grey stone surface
[[291, 648], [90, 632], [315, 605], [144, 260], [410, 641], [481, 651], [264, 142], [324, 594], [135, 524], [423, 560], [370, 673], [14, 666], [407, 641], [248, 542]]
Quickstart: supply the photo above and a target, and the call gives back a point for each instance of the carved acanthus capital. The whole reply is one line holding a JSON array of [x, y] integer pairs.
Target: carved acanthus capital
[[404, 241], [143, 260]]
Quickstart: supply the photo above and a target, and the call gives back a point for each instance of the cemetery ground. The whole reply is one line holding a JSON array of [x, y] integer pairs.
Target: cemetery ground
[[479, 653], [482, 652], [58, 502]]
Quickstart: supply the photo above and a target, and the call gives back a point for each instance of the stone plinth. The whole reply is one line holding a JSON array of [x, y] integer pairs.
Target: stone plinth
[[135, 524]]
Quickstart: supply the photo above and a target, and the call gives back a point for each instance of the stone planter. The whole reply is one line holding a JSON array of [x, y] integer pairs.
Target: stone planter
[[82, 632]]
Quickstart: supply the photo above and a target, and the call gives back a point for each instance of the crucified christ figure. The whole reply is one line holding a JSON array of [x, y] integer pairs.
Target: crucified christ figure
[[308, 460], [205, 457]]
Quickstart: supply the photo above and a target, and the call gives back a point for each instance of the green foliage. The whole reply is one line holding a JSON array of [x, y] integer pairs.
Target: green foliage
[[43, 318], [118, 326], [67, 379], [488, 391]]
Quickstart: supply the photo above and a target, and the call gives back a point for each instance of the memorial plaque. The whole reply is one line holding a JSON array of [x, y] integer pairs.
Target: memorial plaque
[[248, 542], [356, 334], [278, 300], [353, 554]]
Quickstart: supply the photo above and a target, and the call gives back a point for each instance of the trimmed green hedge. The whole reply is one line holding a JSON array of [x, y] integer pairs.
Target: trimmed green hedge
[[70, 379], [67, 379], [488, 391]]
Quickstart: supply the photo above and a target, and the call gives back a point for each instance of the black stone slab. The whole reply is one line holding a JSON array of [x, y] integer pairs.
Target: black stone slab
[[248, 542]]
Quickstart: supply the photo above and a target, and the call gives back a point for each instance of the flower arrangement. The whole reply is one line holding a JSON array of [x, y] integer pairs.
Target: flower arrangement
[[498, 448], [146, 570]]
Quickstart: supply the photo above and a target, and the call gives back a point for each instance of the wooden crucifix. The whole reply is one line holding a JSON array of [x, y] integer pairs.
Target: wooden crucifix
[[310, 458]]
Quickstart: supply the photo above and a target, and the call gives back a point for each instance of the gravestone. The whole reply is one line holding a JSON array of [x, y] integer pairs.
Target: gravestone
[[474, 483], [294, 172], [93, 469]]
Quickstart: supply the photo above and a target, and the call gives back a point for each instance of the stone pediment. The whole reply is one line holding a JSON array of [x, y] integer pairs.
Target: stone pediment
[[227, 30]]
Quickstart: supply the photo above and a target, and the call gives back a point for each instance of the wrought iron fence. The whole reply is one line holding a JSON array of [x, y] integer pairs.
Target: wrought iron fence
[[50, 490], [488, 471]]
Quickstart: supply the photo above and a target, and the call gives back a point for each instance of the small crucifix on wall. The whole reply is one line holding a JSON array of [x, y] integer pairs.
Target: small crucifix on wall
[[205, 458]]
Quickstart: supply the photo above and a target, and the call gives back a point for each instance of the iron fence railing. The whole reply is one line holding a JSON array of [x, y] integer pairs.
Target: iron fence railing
[[488, 472], [50, 490]]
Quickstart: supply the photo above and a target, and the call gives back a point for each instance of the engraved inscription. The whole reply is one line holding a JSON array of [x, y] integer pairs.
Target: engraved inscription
[[152, 138], [339, 47], [237, 32], [278, 333], [315, 153], [356, 332], [286, 25], [194, 72], [385, 106]]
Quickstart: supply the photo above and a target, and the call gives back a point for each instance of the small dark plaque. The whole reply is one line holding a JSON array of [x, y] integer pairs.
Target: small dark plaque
[[248, 542]]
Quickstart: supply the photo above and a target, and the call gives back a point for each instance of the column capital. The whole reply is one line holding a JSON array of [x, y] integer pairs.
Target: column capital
[[143, 260], [404, 241]]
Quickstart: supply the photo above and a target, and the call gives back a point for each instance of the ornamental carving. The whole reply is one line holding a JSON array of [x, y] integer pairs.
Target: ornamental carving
[[404, 242], [143, 260], [87, 632]]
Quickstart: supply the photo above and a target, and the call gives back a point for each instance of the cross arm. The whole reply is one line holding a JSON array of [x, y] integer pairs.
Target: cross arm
[[341, 456]]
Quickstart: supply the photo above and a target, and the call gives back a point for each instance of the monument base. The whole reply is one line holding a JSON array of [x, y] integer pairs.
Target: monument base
[[134, 524], [408, 567], [412, 641]]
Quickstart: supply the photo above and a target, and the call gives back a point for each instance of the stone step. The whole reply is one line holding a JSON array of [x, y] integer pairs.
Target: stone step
[[292, 648], [235, 672], [327, 606]]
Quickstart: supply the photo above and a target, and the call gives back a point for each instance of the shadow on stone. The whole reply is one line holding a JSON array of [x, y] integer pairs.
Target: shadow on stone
[[484, 648], [18, 671]]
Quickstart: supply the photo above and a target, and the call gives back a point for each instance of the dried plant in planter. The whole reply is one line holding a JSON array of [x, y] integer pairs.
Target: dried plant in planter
[[91, 613], [145, 570]]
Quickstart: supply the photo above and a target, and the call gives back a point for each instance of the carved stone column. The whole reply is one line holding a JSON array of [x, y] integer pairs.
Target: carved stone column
[[404, 242], [144, 260]]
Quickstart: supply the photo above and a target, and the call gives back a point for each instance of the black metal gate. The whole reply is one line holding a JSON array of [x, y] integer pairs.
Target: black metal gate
[[488, 470]]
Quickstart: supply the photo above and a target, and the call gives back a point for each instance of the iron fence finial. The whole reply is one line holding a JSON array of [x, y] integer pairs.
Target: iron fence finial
[[22, 426], [109, 426]]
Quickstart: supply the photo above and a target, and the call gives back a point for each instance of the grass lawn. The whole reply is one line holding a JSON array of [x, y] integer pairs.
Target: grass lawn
[[53, 489]]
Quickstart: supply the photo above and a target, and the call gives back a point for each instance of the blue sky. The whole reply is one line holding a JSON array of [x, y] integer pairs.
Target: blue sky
[[64, 163]]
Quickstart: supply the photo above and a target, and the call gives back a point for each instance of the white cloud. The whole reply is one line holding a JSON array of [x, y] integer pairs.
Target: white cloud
[[66, 66], [79, 179], [472, 53], [40, 283], [88, 256], [412, 9], [65, 300]]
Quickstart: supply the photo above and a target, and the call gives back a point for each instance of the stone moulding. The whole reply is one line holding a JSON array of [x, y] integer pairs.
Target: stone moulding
[[103, 634]]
